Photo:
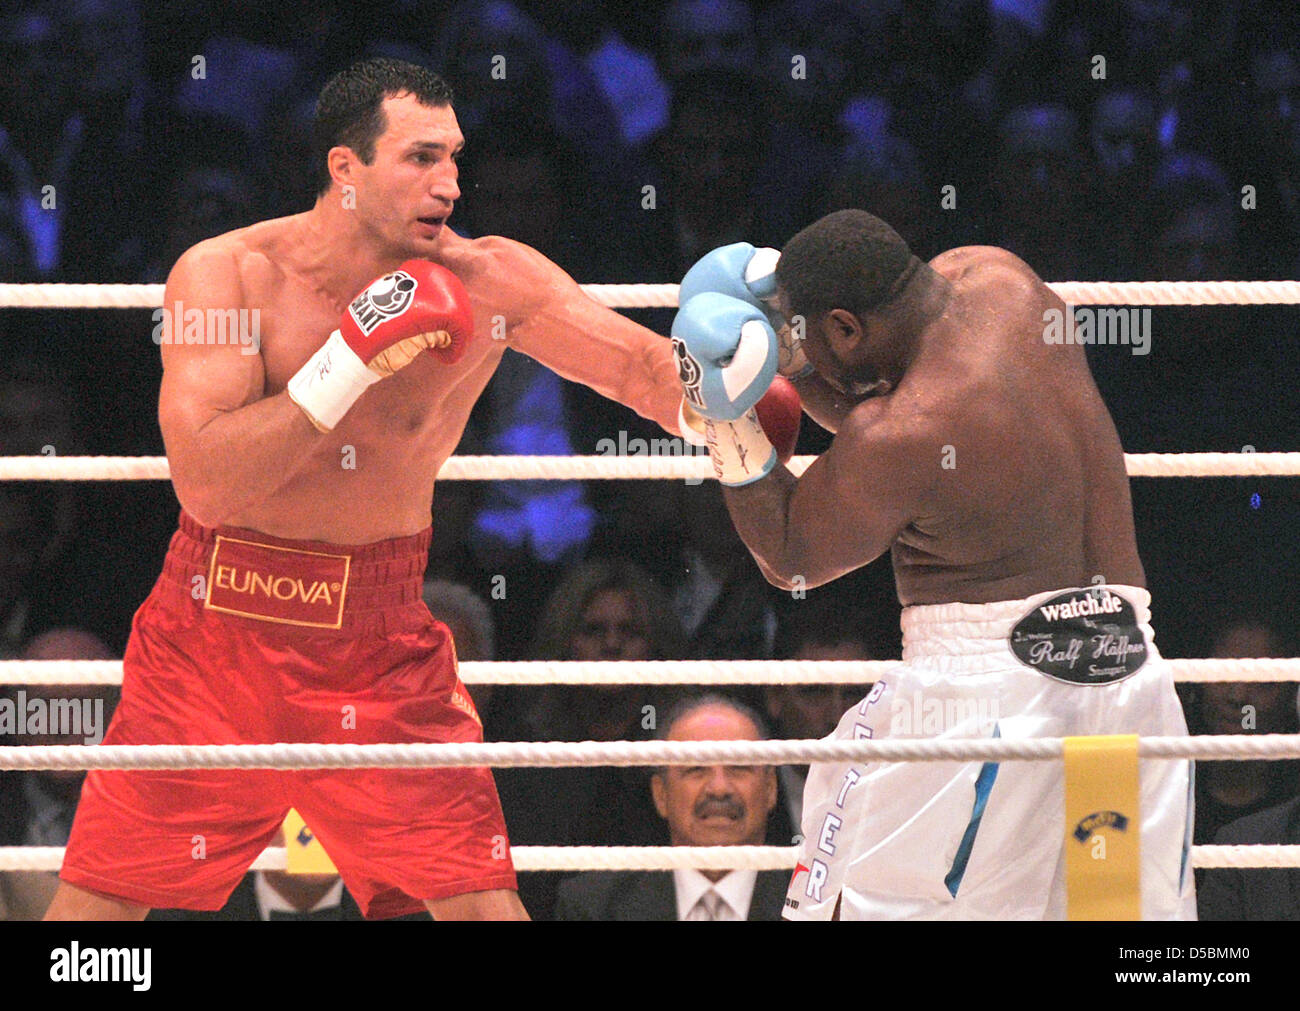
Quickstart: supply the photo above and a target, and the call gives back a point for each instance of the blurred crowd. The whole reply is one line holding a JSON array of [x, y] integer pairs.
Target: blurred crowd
[[1097, 139]]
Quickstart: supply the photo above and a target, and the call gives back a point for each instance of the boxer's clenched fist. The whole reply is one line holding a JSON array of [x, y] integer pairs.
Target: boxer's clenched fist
[[749, 274], [726, 354], [738, 270], [418, 307]]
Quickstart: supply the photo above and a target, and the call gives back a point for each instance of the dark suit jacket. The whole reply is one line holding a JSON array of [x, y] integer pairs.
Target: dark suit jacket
[[649, 895], [13, 809], [1255, 894]]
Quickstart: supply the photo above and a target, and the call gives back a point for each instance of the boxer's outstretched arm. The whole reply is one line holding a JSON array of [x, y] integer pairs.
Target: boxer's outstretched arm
[[589, 343], [228, 446], [844, 512]]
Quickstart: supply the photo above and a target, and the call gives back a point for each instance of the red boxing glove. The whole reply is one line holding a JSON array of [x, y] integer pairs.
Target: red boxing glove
[[418, 307], [780, 412]]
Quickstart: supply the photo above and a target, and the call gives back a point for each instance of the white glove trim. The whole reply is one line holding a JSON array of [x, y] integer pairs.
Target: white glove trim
[[330, 383], [740, 451]]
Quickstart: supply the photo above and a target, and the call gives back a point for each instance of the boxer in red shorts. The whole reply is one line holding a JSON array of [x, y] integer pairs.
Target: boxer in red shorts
[[289, 607]]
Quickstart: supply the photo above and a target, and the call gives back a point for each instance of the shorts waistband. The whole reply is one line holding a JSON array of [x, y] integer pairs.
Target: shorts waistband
[[369, 577], [931, 630]]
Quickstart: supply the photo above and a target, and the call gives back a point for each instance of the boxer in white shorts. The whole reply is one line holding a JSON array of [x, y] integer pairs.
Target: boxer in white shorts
[[985, 839], [979, 452]]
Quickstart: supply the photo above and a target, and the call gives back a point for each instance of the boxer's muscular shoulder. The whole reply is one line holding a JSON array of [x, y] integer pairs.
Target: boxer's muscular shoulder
[[987, 268], [244, 261], [884, 444], [985, 277], [207, 271], [510, 274], [892, 425], [973, 257]]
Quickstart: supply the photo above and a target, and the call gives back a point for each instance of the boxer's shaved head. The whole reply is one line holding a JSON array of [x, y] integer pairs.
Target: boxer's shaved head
[[350, 113], [847, 260], [860, 293]]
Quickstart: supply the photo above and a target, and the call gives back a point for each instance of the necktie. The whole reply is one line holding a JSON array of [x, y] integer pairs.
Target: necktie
[[715, 906]]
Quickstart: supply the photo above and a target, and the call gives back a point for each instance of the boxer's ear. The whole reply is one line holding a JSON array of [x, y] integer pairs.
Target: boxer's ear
[[342, 162], [843, 332]]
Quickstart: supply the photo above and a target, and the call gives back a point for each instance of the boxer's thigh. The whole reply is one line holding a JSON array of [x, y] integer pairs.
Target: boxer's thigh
[[426, 833], [177, 837], [905, 833]]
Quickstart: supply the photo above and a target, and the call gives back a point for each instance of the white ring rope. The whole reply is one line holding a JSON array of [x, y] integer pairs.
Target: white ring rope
[[525, 858], [1178, 292], [663, 858], [663, 672], [643, 296], [669, 465], [1255, 855], [620, 753], [124, 296]]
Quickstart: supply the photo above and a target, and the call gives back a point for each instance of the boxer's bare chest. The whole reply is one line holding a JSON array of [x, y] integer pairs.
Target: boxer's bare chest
[[373, 476], [428, 401]]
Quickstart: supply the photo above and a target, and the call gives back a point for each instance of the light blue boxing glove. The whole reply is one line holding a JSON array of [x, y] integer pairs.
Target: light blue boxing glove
[[738, 270], [726, 354], [749, 274]]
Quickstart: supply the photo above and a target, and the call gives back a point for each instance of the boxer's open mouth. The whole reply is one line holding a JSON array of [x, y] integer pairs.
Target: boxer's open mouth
[[433, 222]]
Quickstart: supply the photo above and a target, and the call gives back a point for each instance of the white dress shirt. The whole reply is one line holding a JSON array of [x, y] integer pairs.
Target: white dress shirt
[[736, 890], [270, 901]]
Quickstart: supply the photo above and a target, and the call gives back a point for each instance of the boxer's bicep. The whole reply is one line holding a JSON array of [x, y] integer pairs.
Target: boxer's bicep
[[207, 371], [851, 504], [202, 380]]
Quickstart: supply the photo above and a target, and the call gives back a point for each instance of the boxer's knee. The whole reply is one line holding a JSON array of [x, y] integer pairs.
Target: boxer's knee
[[73, 903], [495, 904]]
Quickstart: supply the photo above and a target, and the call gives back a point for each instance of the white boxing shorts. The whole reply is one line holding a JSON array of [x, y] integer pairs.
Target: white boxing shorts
[[972, 840]]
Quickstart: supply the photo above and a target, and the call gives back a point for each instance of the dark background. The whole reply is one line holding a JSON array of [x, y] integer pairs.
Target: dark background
[[1139, 175], [1097, 139]]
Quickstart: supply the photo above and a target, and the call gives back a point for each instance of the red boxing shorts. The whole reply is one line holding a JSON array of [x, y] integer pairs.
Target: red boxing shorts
[[251, 639]]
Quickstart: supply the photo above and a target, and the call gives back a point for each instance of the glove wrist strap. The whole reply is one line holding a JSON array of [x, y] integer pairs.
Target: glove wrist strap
[[330, 383], [740, 451]]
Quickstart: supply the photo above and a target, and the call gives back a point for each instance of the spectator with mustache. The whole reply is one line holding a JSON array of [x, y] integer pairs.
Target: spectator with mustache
[[704, 805]]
